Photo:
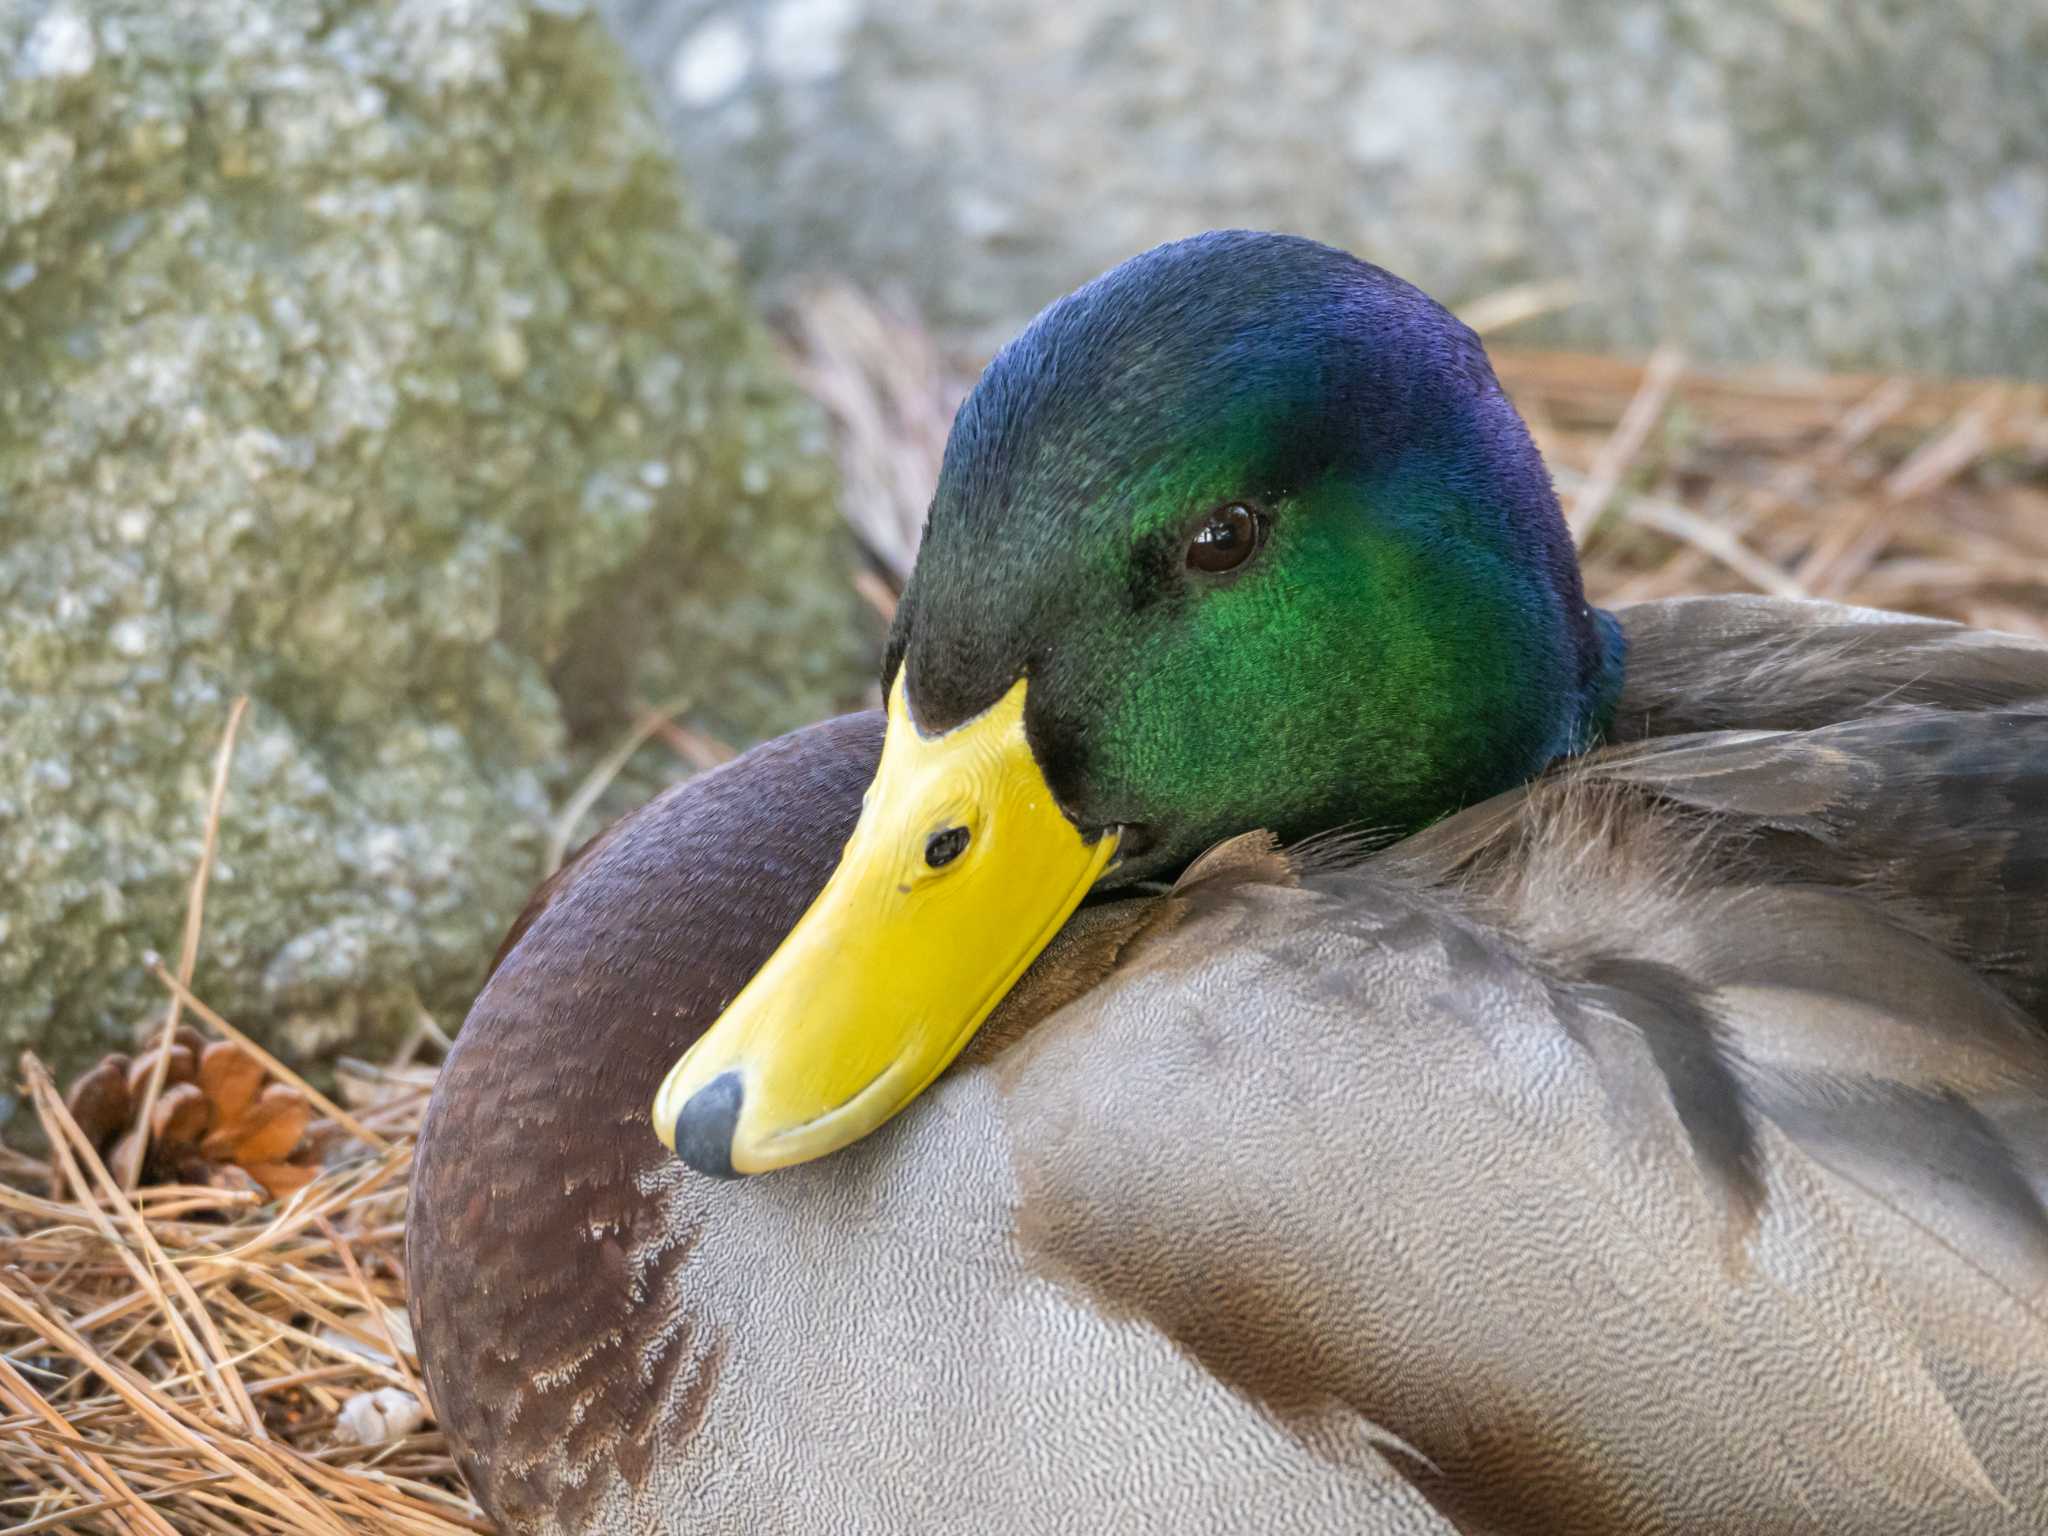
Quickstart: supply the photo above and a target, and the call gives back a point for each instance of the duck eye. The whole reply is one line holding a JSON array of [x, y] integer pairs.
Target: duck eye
[[1227, 538]]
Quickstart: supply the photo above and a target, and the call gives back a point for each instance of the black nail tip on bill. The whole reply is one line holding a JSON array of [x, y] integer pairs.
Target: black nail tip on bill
[[705, 1126]]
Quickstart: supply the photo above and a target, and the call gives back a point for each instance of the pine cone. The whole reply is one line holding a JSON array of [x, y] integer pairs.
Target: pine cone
[[216, 1122]]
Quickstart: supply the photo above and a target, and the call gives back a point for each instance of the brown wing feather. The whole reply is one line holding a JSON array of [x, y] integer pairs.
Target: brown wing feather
[[1639, 1183], [1941, 814], [1762, 663], [1771, 909]]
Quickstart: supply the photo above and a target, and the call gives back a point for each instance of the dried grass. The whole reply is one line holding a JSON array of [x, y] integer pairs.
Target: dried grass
[[188, 1358], [177, 1358], [183, 1358], [1921, 494]]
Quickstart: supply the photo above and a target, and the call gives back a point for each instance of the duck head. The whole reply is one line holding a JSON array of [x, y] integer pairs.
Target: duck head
[[1243, 534]]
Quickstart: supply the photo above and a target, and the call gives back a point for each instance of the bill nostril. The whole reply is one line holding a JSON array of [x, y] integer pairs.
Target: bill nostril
[[705, 1126], [942, 848]]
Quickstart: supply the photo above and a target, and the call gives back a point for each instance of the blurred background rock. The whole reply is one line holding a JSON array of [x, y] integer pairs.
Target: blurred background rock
[[1849, 182], [362, 358]]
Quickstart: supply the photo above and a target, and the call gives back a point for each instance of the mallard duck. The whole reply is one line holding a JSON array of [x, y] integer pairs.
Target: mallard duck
[[1431, 1055]]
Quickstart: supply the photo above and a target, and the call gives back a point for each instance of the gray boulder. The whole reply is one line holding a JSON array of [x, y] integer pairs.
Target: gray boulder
[[359, 357], [1861, 184]]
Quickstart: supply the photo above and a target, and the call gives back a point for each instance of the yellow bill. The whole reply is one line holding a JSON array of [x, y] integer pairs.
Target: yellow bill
[[961, 869]]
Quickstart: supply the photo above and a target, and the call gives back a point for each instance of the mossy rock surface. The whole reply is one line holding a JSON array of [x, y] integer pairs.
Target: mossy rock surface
[[363, 358]]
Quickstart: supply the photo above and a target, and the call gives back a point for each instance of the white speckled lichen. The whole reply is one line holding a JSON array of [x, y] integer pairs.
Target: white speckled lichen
[[358, 356]]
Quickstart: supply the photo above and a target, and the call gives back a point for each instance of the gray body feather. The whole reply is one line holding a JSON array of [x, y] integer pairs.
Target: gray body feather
[[1663, 1147]]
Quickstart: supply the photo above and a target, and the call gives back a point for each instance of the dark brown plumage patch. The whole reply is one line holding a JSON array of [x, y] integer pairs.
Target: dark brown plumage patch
[[545, 893], [542, 1252]]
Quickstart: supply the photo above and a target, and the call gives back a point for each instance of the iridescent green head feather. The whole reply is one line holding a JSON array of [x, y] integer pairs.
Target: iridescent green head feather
[[1408, 634]]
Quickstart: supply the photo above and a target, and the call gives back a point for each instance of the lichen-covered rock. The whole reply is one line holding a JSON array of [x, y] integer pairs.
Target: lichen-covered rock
[[359, 357], [1851, 183]]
